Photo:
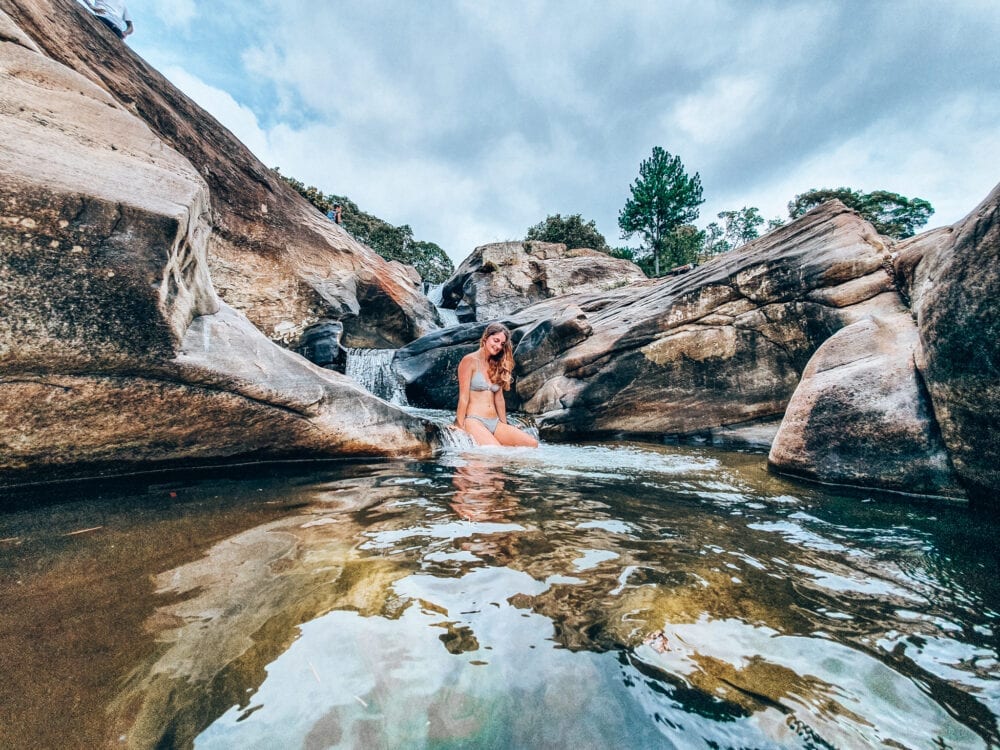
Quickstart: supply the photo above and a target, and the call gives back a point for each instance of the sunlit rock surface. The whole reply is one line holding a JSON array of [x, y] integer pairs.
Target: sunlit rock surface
[[504, 277], [115, 351], [271, 254], [952, 279], [860, 415]]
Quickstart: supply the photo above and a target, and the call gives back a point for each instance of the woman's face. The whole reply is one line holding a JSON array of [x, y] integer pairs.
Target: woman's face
[[494, 344]]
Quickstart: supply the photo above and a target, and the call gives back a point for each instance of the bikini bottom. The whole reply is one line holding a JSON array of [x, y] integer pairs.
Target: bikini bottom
[[490, 423]]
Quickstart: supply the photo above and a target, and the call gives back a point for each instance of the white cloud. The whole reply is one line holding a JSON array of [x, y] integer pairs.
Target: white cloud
[[223, 107], [727, 108], [174, 12], [940, 159], [471, 122]]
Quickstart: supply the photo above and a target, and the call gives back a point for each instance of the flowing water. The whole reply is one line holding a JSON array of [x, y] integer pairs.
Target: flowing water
[[373, 370], [577, 596], [448, 317]]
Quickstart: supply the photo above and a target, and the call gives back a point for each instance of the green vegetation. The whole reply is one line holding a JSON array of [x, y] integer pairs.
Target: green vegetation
[[663, 200], [737, 229], [891, 214], [572, 231], [391, 242]]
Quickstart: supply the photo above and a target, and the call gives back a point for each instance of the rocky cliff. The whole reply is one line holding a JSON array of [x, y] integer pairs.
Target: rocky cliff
[[116, 352], [951, 278], [273, 256]]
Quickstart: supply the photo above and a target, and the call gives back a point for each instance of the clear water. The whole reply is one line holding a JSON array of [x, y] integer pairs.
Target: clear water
[[577, 596]]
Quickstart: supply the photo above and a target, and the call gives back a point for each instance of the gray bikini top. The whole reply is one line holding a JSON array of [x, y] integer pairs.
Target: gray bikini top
[[480, 383]]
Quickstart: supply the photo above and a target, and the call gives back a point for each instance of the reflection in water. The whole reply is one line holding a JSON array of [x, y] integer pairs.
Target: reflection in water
[[573, 596]]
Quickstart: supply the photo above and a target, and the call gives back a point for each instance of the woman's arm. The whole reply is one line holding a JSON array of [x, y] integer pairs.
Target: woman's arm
[[464, 382]]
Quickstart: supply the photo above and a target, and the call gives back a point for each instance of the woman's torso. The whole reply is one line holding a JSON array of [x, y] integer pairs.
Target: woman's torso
[[481, 402]]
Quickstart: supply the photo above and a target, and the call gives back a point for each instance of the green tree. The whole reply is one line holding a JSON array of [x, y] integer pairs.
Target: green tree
[[682, 245], [624, 252], [741, 226], [891, 214], [391, 242], [663, 198], [572, 231], [715, 241]]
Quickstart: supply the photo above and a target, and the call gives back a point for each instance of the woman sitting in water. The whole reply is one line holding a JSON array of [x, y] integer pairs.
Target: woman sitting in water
[[483, 376]]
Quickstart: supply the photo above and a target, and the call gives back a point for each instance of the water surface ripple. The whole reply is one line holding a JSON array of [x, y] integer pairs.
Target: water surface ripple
[[577, 596]]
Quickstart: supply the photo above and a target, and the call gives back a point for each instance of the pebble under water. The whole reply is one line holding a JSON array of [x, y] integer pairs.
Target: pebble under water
[[574, 596]]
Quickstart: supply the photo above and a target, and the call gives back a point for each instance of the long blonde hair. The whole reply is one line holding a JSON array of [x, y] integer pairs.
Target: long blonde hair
[[501, 367]]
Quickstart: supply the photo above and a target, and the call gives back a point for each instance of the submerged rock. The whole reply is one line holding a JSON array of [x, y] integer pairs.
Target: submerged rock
[[504, 277], [115, 351], [272, 255]]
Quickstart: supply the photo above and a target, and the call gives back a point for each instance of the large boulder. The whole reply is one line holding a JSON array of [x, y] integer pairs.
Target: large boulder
[[861, 416], [272, 255], [504, 277], [115, 351], [952, 279]]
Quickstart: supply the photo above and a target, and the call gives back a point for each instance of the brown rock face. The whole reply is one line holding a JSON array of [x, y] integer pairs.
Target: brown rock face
[[722, 345], [115, 352], [952, 278], [504, 277], [272, 255], [861, 416]]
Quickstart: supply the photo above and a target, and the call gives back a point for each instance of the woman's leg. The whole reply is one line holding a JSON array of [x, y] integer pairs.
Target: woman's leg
[[479, 432], [509, 435]]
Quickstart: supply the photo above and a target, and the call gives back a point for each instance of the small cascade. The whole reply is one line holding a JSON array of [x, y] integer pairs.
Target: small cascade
[[449, 318], [454, 439], [373, 369]]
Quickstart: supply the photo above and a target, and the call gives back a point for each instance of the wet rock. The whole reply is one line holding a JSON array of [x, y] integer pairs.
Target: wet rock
[[501, 278], [551, 336], [861, 416], [952, 279], [320, 344], [272, 255]]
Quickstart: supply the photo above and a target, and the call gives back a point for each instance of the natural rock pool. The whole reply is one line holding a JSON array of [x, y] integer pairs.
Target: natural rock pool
[[578, 596]]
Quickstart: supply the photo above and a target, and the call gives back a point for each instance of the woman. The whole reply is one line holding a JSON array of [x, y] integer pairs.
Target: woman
[[483, 376]]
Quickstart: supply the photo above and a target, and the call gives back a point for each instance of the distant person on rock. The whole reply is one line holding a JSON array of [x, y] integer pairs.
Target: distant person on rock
[[337, 211], [113, 14], [483, 376]]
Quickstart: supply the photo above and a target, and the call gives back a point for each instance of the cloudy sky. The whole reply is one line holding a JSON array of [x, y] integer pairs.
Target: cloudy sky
[[472, 120]]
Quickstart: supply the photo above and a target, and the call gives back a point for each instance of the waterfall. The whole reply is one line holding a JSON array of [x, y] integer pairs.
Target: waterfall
[[373, 369], [449, 318]]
